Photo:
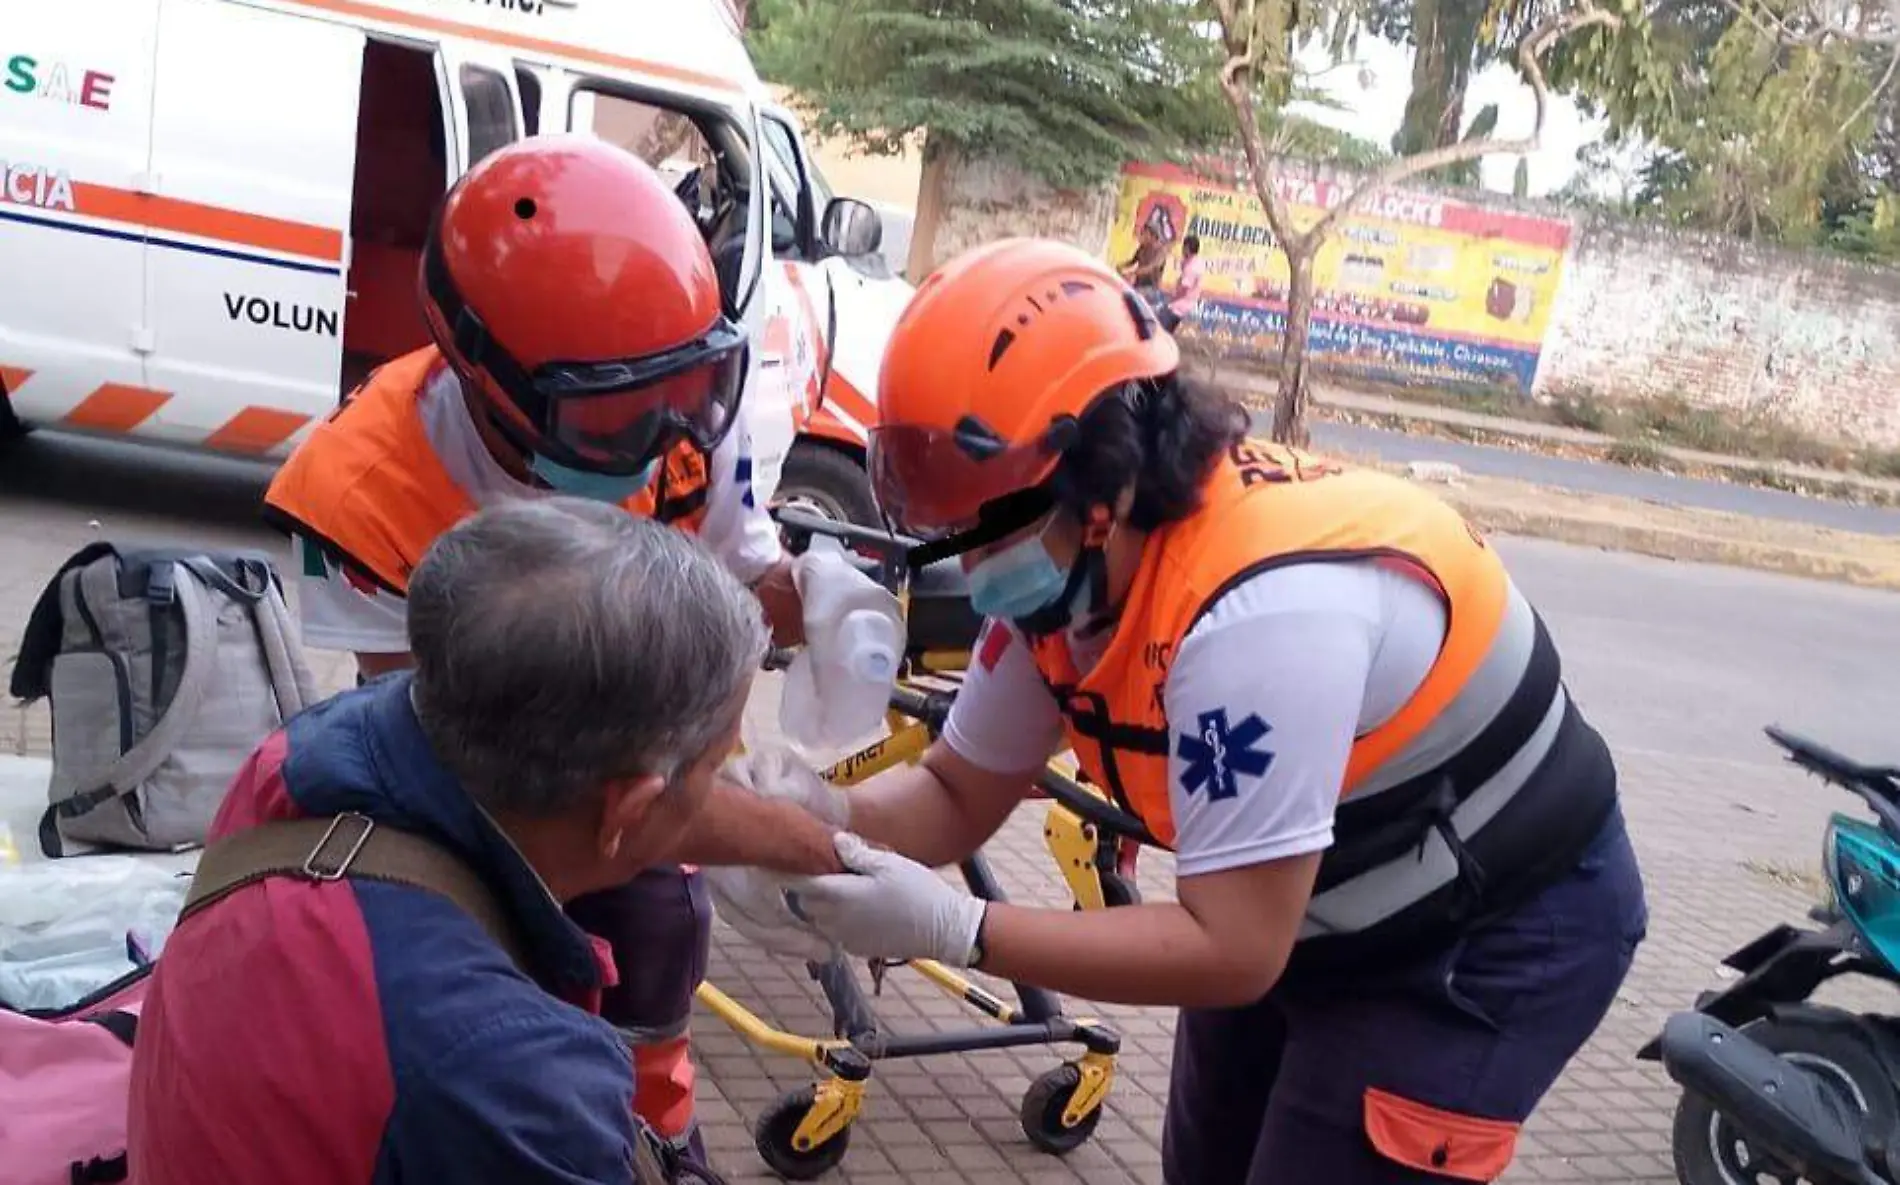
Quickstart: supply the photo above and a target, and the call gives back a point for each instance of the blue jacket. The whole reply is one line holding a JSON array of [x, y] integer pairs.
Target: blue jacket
[[322, 1034]]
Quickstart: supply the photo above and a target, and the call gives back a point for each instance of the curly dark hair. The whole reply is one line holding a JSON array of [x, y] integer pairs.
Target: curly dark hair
[[1169, 432]]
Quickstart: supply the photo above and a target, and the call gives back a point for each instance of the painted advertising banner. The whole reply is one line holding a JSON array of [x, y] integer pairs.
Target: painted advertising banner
[[1412, 287]]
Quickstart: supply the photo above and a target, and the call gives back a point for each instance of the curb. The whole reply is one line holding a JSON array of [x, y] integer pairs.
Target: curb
[[1734, 470], [1666, 543]]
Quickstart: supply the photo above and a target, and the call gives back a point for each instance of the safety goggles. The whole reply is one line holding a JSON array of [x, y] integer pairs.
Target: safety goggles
[[610, 416], [935, 482]]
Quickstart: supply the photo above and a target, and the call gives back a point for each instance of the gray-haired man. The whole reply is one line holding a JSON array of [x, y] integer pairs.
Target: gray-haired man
[[580, 677]]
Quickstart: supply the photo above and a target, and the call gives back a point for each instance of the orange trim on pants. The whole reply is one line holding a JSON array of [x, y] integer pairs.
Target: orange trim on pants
[[663, 1077], [1433, 1140]]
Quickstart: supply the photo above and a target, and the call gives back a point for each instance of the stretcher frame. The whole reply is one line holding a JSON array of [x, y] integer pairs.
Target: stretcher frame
[[806, 1132]]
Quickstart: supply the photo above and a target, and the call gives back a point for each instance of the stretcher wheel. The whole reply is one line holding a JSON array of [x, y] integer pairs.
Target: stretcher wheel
[[1043, 1104], [773, 1132]]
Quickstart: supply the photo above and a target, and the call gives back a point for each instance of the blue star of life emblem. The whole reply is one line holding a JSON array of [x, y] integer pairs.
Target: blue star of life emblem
[[1216, 755]]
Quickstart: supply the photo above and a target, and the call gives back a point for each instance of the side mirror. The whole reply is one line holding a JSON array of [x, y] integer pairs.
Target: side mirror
[[851, 228]]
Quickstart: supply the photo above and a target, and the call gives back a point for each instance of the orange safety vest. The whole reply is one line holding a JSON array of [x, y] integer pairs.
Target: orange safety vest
[[1266, 506], [367, 487]]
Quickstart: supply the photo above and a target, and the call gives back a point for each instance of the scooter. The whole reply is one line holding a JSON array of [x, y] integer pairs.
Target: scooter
[[1776, 1088]]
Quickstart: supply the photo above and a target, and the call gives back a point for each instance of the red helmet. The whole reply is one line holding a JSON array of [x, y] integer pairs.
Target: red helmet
[[568, 286]]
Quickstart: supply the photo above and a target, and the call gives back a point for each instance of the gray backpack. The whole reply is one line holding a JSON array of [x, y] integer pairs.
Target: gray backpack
[[166, 667]]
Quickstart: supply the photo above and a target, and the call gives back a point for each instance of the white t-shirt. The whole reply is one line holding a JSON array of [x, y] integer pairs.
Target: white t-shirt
[[339, 613], [1263, 701]]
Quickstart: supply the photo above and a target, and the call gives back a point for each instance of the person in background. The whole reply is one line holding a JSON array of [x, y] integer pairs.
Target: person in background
[[1146, 267], [582, 345], [1187, 289], [578, 678]]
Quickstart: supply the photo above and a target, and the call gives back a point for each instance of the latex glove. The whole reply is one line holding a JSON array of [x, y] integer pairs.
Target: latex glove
[[890, 907], [777, 772], [752, 901]]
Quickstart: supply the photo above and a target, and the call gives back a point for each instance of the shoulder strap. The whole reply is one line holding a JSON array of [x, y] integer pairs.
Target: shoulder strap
[[347, 845]]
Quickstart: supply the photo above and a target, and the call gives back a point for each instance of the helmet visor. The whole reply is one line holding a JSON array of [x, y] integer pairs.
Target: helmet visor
[[932, 483], [613, 417]]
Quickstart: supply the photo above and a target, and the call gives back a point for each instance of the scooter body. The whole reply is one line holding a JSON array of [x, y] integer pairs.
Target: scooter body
[[1776, 1087]]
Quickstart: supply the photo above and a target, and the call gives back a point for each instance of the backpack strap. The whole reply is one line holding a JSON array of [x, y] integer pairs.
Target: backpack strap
[[290, 679], [354, 846], [347, 845]]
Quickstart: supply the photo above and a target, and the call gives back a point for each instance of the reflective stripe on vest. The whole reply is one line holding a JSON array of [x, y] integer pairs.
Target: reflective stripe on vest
[[1477, 743], [367, 486]]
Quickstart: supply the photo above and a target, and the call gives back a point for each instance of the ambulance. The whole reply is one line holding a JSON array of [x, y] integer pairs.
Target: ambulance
[[211, 211]]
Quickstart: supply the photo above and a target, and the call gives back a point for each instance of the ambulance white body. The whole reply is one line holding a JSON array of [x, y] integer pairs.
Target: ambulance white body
[[211, 210]]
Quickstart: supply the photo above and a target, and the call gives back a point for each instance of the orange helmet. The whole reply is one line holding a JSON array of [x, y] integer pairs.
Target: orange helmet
[[998, 356], [566, 283]]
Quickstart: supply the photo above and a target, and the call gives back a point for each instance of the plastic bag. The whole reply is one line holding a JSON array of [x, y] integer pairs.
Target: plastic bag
[[68, 927]]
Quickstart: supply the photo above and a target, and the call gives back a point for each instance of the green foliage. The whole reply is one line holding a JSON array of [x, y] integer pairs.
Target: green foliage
[[1747, 134], [1766, 143], [1068, 89]]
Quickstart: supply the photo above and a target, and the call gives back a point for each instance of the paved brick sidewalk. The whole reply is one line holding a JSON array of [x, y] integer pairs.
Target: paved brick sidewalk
[[1725, 833]]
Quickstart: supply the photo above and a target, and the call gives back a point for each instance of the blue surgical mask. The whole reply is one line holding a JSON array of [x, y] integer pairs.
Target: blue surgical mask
[[602, 487], [1018, 581]]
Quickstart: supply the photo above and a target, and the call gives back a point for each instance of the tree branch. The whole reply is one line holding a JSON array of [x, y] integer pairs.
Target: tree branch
[[1873, 96], [1530, 53], [1869, 29], [1236, 81]]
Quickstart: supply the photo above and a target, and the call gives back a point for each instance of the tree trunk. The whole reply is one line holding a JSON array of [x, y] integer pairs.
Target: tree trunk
[[1289, 410], [1446, 32], [929, 215]]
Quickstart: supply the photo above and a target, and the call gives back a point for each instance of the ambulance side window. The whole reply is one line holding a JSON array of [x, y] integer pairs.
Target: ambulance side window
[[530, 87], [491, 112], [782, 170]]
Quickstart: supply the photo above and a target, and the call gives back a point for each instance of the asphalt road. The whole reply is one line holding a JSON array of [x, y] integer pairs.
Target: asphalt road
[[1620, 480]]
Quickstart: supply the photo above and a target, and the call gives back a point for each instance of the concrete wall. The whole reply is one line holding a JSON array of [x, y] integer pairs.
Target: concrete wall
[[963, 203], [1810, 340]]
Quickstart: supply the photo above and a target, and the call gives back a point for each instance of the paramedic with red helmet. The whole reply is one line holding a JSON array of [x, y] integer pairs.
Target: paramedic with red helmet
[[582, 346], [1405, 894]]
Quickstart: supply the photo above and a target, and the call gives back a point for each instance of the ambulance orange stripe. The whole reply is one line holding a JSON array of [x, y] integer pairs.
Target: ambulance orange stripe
[[434, 24], [851, 401], [116, 407], [11, 377], [822, 346], [256, 430], [153, 212]]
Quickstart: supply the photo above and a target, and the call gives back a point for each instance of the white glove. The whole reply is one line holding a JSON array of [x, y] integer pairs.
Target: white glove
[[890, 907], [777, 772], [752, 901]]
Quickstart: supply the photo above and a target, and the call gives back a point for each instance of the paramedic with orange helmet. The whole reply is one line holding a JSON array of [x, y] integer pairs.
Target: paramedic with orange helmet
[[582, 345], [1406, 896]]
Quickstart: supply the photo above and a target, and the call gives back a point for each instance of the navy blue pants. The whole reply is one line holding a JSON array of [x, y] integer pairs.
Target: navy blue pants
[[660, 927], [1422, 1075]]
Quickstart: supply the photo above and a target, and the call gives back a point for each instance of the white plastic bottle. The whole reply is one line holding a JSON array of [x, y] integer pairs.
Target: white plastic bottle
[[838, 686]]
